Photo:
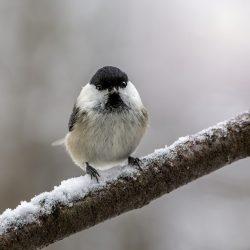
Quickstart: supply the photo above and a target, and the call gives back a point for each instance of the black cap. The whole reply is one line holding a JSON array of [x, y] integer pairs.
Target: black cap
[[109, 77]]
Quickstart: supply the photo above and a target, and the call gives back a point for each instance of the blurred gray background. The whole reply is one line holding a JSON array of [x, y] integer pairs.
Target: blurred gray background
[[190, 62]]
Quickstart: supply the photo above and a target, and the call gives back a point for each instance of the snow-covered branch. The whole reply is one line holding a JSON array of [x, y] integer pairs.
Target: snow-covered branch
[[80, 203]]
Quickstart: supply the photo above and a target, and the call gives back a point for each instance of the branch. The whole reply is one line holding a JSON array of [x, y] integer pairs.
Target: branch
[[80, 203]]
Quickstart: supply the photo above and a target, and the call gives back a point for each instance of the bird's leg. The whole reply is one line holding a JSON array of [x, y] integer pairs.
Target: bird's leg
[[92, 172], [135, 162]]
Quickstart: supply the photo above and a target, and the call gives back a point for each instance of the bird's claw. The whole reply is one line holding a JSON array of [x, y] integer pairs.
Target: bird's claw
[[92, 172], [135, 162]]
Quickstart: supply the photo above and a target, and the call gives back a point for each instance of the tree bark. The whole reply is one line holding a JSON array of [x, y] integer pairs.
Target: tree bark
[[163, 171]]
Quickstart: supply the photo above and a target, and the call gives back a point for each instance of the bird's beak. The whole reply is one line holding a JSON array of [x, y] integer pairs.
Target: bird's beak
[[113, 90]]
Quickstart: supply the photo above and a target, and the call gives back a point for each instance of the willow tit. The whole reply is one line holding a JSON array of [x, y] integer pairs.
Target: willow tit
[[107, 122]]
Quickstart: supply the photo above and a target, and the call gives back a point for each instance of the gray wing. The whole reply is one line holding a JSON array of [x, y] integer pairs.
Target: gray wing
[[73, 117]]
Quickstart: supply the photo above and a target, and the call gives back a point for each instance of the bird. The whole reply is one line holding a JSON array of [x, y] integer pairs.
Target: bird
[[107, 123]]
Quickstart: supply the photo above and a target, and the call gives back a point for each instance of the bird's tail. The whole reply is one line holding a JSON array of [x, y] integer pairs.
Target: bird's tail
[[59, 142]]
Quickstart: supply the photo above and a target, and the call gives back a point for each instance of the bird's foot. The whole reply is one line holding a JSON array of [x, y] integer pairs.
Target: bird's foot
[[135, 162], [92, 172]]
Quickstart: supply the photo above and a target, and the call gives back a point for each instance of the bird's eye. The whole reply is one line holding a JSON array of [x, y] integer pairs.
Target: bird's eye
[[99, 87], [123, 84]]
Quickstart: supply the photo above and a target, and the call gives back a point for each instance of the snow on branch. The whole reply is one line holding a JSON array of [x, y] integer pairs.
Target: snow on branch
[[80, 202]]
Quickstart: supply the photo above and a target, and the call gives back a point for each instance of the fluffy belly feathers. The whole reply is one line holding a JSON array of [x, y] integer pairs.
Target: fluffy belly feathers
[[109, 142]]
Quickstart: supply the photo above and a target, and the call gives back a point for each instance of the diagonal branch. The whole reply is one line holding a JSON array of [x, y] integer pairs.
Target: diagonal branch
[[80, 203]]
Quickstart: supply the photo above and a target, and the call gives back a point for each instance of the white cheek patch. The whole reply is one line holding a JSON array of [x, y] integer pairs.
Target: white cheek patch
[[130, 96], [90, 97]]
